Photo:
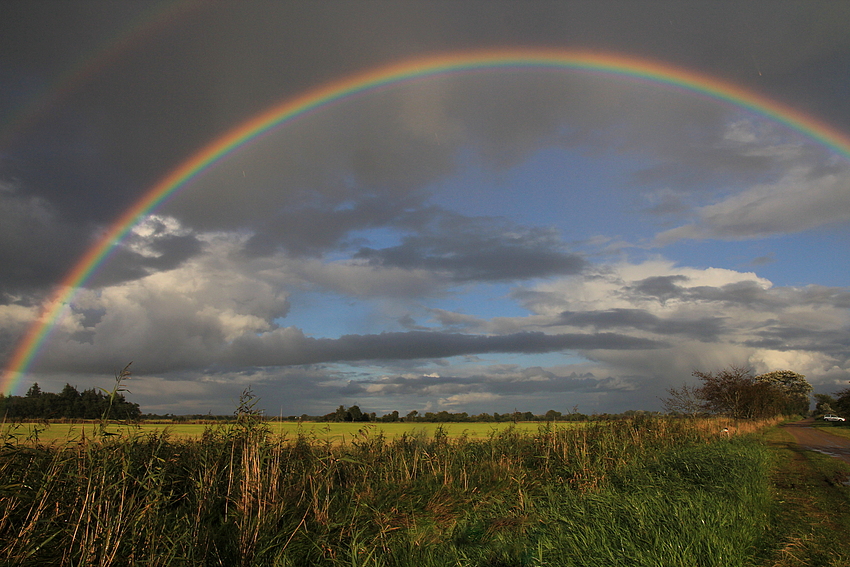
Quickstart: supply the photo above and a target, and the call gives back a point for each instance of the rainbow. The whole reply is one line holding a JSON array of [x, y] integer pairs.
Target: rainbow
[[387, 77]]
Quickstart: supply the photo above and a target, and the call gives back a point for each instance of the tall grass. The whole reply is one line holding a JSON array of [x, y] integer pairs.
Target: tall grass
[[632, 492]]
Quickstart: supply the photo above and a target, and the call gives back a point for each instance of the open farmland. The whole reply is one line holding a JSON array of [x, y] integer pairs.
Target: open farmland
[[625, 492], [335, 432]]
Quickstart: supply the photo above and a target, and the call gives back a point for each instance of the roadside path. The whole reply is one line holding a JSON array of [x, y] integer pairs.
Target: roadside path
[[818, 440]]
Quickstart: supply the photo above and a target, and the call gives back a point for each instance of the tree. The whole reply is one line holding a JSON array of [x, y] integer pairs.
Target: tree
[[842, 402], [735, 392], [68, 401], [824, 403], [731, 392], [685, 400], [355, 414], [91, 403], [795, 387]]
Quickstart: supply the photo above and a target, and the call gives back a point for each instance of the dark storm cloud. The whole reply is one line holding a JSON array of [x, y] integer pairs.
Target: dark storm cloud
[[453, 320], [313, 230], [178, 87], [837, 297], [219, 63], [37, 246], [660, 287], [791, 338], [185, 84], [479, 250], [744, 293], [666, 288], [501, 382], [168, 253], [307, 186], [705, 329], [711, 164], [287, 347]]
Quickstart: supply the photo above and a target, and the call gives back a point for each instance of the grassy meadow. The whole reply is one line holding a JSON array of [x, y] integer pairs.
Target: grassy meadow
[[647, 491]]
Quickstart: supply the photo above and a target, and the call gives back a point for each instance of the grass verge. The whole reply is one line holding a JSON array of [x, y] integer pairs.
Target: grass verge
[[811, 515]]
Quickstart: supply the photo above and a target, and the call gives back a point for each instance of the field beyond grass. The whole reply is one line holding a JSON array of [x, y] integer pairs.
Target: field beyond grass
[[633, 492], [336, 432]]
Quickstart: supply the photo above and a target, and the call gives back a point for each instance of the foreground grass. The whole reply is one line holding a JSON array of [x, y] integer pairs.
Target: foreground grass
[[641, 492], [811, 519]]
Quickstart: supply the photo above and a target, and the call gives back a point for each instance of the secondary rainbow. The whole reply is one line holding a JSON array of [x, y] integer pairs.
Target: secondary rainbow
[[151, 19], [387, 77]]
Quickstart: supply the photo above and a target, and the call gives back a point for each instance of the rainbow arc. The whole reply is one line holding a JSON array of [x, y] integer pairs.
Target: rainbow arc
[[380, 78]]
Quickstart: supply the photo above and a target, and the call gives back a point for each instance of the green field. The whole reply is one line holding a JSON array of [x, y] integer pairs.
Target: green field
[[335, 432]]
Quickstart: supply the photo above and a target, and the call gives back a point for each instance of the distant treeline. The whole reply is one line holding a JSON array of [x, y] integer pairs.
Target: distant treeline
[[93, 404], [355, 414], [67, 404]]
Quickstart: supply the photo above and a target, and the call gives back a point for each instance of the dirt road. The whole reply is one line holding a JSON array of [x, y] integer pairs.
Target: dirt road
[[818, 440]]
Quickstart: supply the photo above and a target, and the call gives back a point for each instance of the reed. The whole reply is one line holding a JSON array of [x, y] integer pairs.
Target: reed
[[617, 493]]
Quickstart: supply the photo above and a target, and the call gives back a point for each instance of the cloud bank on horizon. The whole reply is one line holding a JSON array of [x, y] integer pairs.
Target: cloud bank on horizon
[[475, 242]]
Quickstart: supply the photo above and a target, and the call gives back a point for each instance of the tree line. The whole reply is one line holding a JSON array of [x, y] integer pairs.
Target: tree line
[[68, 404], [355, 414], [738, 393]]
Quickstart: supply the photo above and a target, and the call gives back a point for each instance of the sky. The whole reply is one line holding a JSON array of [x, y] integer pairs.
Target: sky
[[516, 239]]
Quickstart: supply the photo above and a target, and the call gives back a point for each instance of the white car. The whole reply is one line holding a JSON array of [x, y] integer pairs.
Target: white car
[[832, 417]]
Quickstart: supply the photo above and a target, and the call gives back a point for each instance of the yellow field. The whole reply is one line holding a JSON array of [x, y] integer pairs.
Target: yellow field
[[334, 432]]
